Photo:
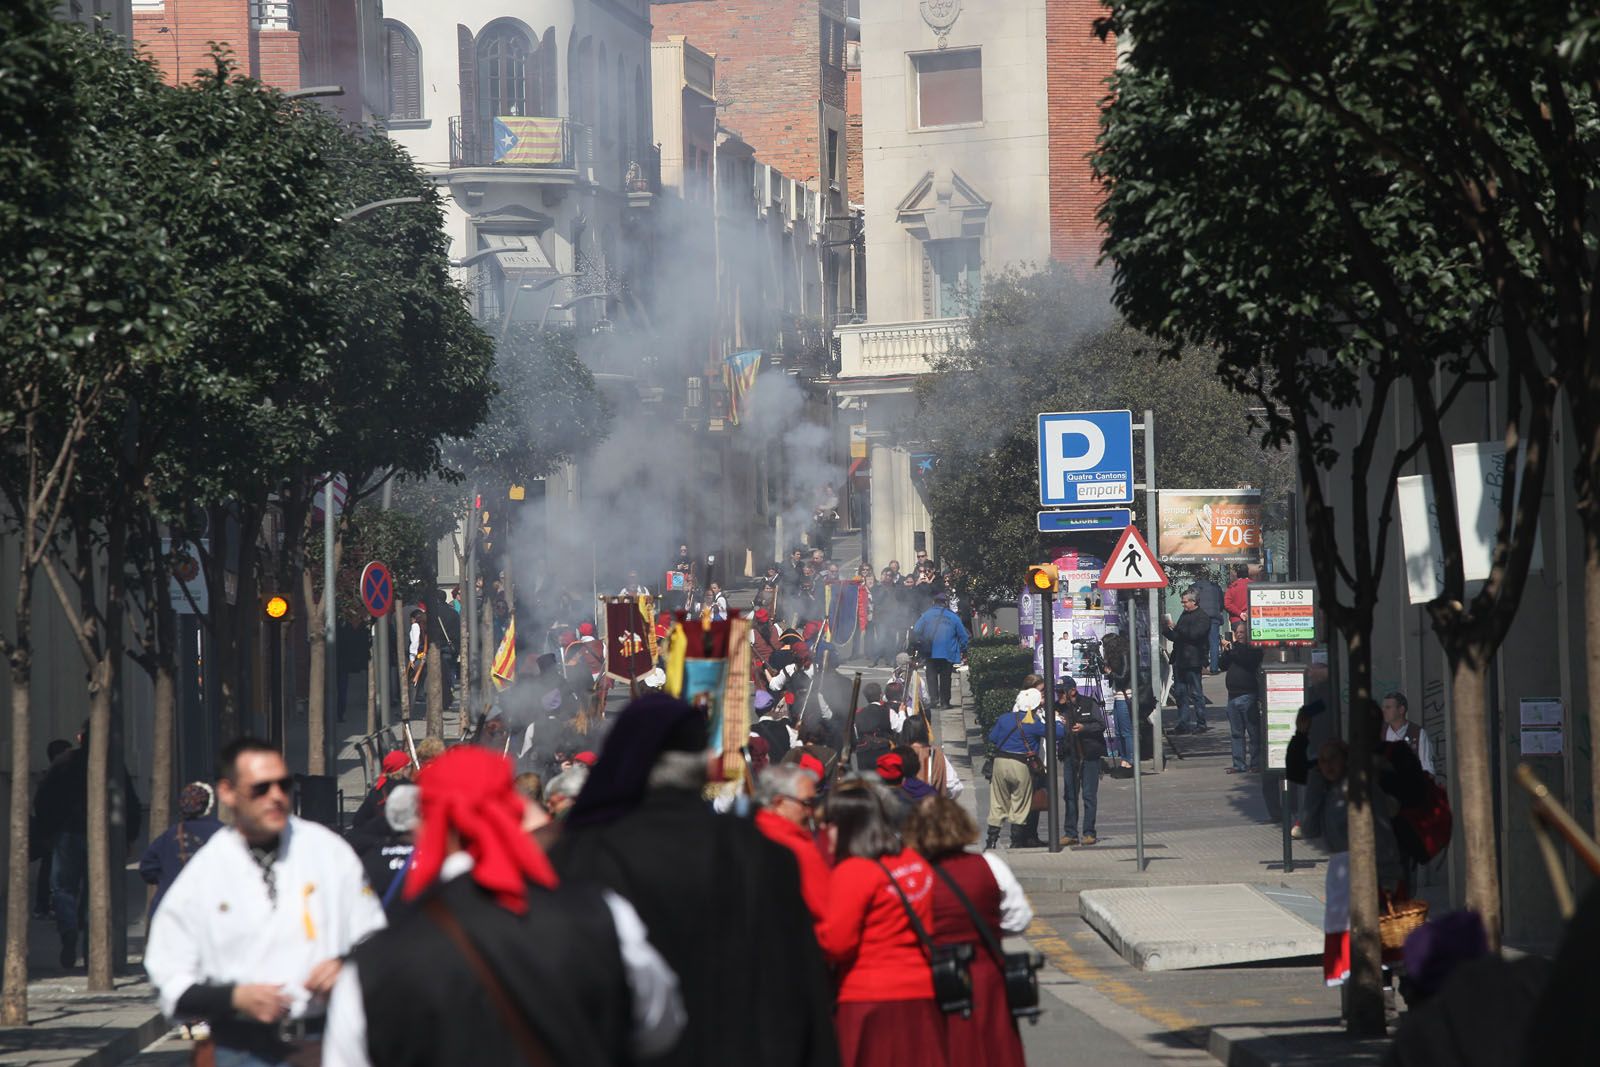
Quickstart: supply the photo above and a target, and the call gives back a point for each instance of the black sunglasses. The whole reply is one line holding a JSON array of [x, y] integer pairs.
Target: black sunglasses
[[261, 789], [803, 803]]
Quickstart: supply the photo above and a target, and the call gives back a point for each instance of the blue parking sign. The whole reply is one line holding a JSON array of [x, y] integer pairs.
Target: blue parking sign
[[1085, 457]]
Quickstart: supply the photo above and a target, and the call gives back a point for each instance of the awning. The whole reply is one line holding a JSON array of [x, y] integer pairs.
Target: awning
[[530, 259]]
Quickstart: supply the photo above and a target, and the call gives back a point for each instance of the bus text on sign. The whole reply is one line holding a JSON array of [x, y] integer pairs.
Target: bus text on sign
[[1283, 614]]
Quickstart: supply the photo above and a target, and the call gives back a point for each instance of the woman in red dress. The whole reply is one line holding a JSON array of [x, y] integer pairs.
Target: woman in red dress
[[885, 1013], [941, 830]]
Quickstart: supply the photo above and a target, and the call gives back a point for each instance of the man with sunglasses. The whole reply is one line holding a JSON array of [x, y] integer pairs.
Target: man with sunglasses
[[787, 794], [253, 931]]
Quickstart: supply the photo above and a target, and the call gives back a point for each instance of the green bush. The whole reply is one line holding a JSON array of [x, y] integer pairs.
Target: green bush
[[998, 639], [993, 705], [998, 670]]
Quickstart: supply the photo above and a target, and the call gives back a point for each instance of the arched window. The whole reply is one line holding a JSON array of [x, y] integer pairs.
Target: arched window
[[602, 115], [506, 67], [641, 117], [549, 87], [405, 72], [580, 80], [622, 114]]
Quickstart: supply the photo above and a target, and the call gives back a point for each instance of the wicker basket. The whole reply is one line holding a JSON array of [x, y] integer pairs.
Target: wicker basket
[[1398, 920]]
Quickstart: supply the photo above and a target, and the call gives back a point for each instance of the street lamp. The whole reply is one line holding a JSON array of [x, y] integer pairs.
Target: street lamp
[[574, 302], [315, 90], [376, 204], [533, 287]]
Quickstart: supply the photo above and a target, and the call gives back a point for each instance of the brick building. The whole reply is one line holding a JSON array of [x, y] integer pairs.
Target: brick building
[[781, 85], [290, 44], [976, 122]]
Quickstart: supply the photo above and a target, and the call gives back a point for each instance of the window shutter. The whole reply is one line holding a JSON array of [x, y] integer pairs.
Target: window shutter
[[471, 135], [405, 76]]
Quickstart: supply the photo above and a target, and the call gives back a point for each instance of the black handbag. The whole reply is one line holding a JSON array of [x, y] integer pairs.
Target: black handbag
[[951, 964], [1019, 970]]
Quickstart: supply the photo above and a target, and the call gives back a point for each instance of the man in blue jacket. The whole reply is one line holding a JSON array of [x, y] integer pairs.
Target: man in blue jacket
[[943, 641]]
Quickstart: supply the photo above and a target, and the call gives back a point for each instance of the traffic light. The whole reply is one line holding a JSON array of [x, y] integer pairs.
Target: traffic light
[[275, 608], [1044, 578]]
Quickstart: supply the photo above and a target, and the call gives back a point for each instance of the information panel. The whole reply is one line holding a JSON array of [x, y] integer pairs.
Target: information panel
[[1286, 692], [1283, 614]]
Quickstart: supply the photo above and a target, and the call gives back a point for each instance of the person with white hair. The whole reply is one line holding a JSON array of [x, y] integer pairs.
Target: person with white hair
[[787, 795], [386, 858], [562, 791], [1018, 736]]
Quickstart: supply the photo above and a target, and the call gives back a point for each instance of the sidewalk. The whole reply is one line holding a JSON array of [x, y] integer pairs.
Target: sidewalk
[[1203, 828], [71, 1027]]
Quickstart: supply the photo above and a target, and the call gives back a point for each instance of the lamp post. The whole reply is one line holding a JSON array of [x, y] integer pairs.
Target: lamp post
[[485, 253], [574, 302], [535, 287]]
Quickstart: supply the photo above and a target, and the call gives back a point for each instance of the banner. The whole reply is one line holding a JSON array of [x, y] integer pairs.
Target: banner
[[739, 373], [527, 139], [505, 659], [1210, 525], [628, 641]]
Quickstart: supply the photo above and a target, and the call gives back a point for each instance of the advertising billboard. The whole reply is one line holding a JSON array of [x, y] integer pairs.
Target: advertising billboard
[[1209, 525]]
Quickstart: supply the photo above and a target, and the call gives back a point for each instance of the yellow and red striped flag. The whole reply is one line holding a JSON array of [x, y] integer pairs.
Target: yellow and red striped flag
[[527, 139], [505, 658]]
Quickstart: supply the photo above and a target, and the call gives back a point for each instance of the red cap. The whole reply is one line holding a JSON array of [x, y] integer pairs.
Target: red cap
[[395, 761], [761, 615], [808, 762], [788, 698], [890, 769], [586, 629], [585, 758]]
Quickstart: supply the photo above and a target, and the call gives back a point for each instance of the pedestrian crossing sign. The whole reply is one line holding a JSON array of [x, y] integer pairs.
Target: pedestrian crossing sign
[[1133, 565]]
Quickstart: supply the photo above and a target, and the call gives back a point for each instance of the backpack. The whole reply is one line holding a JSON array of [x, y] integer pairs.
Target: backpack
[[1423, 831]]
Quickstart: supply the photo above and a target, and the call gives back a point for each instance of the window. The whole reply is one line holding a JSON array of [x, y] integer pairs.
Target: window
[[953, 277], [949, 88], [832, 161], [405, 72], [505, 61]]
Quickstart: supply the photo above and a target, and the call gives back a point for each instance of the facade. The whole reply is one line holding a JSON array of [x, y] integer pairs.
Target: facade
[[290, 44], [114, 15], [781, 84], [976, 121]]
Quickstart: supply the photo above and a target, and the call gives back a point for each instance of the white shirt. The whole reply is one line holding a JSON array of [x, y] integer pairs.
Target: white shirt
[[218, 926], [1424, 743], [416, 638], [1015, 911], [658, 1015]]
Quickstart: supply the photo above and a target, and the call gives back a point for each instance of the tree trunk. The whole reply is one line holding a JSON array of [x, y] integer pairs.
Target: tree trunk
[[372, 688], [316, 696], [97, 942], [402, 647], [1475, 787], [1591, 652], [14, 993], [435, 689], [164, 730], [465, 666], [490, 646], [1364, 1005]]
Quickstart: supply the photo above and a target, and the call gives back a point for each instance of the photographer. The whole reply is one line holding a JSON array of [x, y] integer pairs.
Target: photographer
[[1114, 656], [1085, 724]]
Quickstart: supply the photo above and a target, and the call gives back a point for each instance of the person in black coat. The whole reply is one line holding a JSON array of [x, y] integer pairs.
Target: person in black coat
[[1191, 644], [176, 845], [721, 901], [1242, 661], [1080, 770]]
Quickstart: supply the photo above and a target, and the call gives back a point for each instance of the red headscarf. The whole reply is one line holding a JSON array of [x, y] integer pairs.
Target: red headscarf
[[469, 790]]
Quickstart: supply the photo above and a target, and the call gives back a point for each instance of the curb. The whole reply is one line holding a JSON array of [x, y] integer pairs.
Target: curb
[[1244, 1046], [127, 1044]]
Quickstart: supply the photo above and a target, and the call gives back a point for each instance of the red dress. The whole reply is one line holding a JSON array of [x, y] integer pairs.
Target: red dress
[[886, 1015], [990, 1036]]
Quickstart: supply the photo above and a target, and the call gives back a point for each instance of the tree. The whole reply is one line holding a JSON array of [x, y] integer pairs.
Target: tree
[[88, 296], [1046, 341], [1291, 187]]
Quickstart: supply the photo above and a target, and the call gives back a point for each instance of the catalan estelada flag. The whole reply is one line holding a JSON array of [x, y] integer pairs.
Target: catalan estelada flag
[[739, 372], [527, 139], [505, 658]]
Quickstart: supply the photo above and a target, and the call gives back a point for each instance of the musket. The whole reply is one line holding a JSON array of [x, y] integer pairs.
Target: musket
[[1548, 814], [848, 746], [411, 743], [749, 771]]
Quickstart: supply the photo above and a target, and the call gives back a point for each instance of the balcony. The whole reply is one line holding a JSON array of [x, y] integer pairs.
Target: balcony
[[551, 144], [888, 349]]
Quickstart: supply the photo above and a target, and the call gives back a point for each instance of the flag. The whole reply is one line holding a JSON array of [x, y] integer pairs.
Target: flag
[[341, 493], [627, 641], [505, 658], [739, 372], [527, 140]]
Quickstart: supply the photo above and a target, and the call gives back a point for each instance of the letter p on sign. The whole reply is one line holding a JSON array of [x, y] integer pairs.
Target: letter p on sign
[[1085, 457]]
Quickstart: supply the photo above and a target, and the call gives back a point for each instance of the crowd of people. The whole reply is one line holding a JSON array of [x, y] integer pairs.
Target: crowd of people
[[613, 912]]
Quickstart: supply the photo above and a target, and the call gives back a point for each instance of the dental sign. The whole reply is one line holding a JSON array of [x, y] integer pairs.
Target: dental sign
[[1085, 457]]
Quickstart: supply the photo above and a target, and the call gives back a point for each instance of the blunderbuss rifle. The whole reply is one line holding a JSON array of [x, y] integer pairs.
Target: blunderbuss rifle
[[847, 748]]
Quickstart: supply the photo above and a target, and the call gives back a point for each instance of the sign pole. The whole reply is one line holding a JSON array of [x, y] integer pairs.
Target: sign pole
[[1153, 525], [330, 650], [1138, 767], [1052, 769]]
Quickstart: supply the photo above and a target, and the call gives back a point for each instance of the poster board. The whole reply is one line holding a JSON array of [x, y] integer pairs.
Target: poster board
[[1283, 614], [1209, 525], [1285, 692]]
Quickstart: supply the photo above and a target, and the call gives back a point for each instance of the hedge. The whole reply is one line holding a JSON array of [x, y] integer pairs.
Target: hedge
[[998, 670], [991, 706], [997, 639]]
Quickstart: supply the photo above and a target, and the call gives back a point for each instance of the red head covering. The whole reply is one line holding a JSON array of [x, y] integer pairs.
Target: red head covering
[[890, 769], [808, 762], [761, 615], [469, 790], [586, 758], [586, 629], [395, 761]]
